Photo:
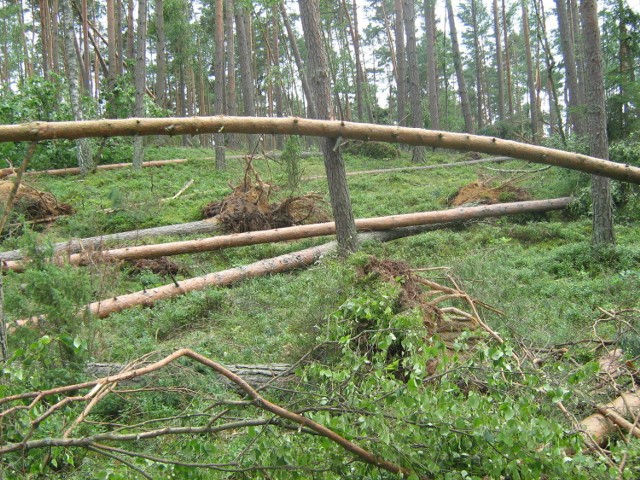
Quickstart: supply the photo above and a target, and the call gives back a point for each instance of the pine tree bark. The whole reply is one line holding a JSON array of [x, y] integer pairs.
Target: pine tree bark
[[140, 80], [533, 100], [496, 29], [415, 93], [457, 61], [230, 90], [596, 123], [246, 74], [111, 55], [333, 162], [568, 55], [83, 146], [311, 109], [507, 59], [219, 80], [432, 79], [401, 66], [161, 64], [478, 61]]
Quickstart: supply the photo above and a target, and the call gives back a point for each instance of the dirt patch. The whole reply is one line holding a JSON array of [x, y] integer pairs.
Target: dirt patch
[[159, 266], [248, 208], [486, 191], [32, 203]]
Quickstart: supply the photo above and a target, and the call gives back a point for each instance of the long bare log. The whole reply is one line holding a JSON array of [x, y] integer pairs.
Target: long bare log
[[92, 243], [421, 167], [5, 172], [315, 230], [280, 264], [600, 427], [319, 128]]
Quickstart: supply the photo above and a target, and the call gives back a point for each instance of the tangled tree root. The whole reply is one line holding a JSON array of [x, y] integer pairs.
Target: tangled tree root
[[248, 208], [32, 203], [486, 191], [443, 307]]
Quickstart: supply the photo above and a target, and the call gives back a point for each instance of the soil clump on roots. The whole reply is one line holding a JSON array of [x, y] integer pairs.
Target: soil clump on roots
[[32, 203], [248, 207], [486, 191]]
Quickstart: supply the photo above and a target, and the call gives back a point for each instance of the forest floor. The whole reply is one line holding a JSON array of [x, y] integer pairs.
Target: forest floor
[[538, 270]]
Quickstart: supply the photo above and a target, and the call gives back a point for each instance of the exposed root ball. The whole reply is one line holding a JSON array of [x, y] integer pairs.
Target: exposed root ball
[[483, 192], [247, 209], [33, 203]]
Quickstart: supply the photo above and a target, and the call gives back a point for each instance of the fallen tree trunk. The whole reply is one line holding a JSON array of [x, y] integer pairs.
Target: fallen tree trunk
[[422, 167], [315, 230], [75, 246], [280, 264], [5, 172], [36, 131], [600, 427]]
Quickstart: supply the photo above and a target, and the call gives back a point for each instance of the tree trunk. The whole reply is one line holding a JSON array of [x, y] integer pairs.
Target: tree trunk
[[246, 74], [596, 123], [432, 79], [230, 90], [568, 55], [478, 60], [278, 76], [333, 161], [37, 131], [457, 61], [507, 59], [496, 29], [119, 50], [455, 215], [111, 50], [130, 41], [311, 109], [83, 146], [140, 80], [401, 67], [161, 65], [219, 81], [533, 101], [415, 93], [598, 427]]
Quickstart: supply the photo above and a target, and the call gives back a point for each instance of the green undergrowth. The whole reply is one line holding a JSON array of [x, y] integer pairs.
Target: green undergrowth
[[539, 272]]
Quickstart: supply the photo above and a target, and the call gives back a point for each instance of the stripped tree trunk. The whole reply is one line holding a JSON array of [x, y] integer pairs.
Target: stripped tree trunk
[[333, 161]]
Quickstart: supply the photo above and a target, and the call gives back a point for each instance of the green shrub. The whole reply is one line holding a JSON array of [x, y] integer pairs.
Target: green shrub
[[376, 150]]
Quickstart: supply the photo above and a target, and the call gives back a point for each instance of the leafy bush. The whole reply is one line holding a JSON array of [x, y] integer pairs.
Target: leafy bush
[[377, 150]]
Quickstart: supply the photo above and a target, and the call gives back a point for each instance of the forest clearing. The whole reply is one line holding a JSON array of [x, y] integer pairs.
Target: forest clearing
[[320, 239]]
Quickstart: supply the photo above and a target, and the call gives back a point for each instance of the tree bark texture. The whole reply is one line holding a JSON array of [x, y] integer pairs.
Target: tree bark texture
[[311, 110], [414, 90], [568, 55], [496, 28], [457, 61], [318, 67], [432, 79], [83, 146], [246, 74], [455, 215], [601, 200], [96, 243], [140, 79], [599, 428], [401, 61], [36, 131], [219, 81], [533, 101], [161, 64]]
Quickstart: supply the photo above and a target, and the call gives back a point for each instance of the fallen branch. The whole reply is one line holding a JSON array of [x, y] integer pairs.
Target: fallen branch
[[104, 384], [318, 128], [280, 264], [75, 246], [422, 167], [314, 230], [5, 172], [600, 427]]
